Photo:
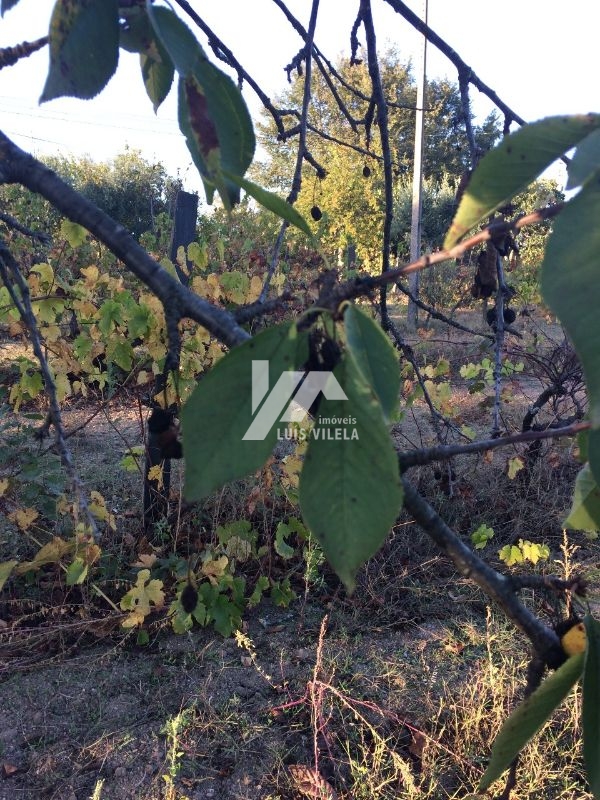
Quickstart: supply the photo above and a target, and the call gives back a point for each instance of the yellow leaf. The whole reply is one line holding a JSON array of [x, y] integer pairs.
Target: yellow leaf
[[16, 328], [52, 333], [50, 553], [291, 467], [63, 387], [3, 486], [6, 567], [23, 517], [138, 600], [98, 508], [515, 465], [145, 560], [155, 473], [91, 275], [88, 550], [255, 289], [215, 569], [574, 640]]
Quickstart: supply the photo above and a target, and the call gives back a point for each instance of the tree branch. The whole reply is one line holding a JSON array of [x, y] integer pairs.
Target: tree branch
[[497, 587], [419, 458], [16, 166], [22, 302]]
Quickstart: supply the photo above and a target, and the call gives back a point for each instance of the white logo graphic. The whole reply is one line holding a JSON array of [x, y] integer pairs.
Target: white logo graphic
[[282, 397]]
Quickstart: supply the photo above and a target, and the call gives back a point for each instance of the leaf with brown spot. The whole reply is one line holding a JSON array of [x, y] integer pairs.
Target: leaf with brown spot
[[212, 112]]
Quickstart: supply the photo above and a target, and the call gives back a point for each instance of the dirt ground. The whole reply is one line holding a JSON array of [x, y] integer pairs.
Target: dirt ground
[[85, 712]]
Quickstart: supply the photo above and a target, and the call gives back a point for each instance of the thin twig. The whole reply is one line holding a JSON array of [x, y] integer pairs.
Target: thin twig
[[418, 458], [301, 153], [22, 302], [496, 586]]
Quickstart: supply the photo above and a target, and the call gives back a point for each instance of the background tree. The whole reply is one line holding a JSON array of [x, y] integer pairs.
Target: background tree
[[129, 188], [351, 488], [351, 196]]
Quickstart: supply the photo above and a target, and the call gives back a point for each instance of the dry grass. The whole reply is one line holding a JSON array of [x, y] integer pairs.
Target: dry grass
[[398, 696]]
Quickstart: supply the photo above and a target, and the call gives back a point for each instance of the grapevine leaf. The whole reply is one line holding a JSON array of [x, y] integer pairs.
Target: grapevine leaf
[[585, 510], [350, 490], [219, 412], [212, 113], [141, 597], [120, 352], [374, 356], [271, 201], [51, 553], [77, 571], [84, 48], [282, 548], [591, 706], [527, 719], [570, 287], [6, 567], [513, 164], [74, 234]]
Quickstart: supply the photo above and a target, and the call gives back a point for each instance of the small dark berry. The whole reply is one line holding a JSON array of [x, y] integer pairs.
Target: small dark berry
[[316, 213], [189, 599], [366, 172]]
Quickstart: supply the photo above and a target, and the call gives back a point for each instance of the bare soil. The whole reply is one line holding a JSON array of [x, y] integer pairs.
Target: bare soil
[[85, 712]]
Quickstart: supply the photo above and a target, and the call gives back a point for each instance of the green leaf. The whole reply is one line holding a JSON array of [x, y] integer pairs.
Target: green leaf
[[585, 510], [514, 164], [219, 412], [271, 201], [282, 593], [76, 572], [6, 567], [586, 161], [570, 285], [527, 719], [350, 490], [158, 78], [375, 357], [74, 234], [139, 321], [262, 584], [212, 113], [226, 616], [591, 705], [111, 314], [120, 352], [84, 48], [142, 637], [282, 548], [138, 36]]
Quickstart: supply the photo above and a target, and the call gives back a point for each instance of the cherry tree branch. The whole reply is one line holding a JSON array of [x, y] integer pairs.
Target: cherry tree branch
[[16, 166], [499, 588], [419, 458]]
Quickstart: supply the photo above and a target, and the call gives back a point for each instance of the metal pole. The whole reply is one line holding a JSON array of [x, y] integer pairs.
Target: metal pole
[[415, 227]]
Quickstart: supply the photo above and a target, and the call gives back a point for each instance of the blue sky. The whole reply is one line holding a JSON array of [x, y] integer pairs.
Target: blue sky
[[541, 58]]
